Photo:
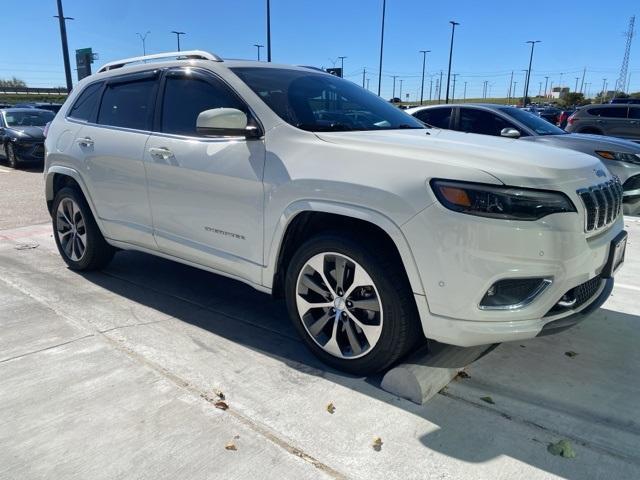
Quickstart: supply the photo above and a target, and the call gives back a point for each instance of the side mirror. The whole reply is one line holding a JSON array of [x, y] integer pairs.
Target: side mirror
[[225, 122], [510, 133]]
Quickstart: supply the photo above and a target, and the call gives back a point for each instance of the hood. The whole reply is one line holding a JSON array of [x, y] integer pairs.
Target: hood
[[512, 161], [588, 143], [36, 133]]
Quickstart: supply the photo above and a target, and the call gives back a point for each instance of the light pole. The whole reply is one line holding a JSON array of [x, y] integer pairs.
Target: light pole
[[394, 87], [526, 78], [178, 37], [144, 41], [430, 88], [401, 89], [576, 89], [546, 83], [65, 47], [342, 66], [440, 88], [453, 31], [515, 84], [424, 61], [368, 83], [384, 7], [526, 87], [604, 86], [364, 75], [453, 92], [540, 90], [510, 85], [464, 95], [258, 46], [268, 30]]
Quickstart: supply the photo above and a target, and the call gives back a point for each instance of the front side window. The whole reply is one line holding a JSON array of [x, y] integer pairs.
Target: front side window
[[482, 122], [532, 121], [634, 112], [186, 97], [85, 106], [28, 118], [435, 117], [128, 104], [320, 102]]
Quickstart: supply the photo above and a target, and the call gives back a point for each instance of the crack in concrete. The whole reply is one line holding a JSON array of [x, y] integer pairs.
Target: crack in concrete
[[45, 348]]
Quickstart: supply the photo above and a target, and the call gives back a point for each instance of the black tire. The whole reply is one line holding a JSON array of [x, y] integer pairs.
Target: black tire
[[12, 158], [401, 329], [97, 252]]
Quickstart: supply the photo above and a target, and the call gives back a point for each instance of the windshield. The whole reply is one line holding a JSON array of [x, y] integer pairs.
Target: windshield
[[320, 102], [29, 118], [535, 123]]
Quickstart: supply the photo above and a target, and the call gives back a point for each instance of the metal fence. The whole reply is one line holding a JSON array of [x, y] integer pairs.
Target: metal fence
[[33, 90]]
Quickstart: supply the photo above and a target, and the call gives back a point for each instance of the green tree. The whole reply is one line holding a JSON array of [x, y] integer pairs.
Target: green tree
[[572, 98], [12, 82]]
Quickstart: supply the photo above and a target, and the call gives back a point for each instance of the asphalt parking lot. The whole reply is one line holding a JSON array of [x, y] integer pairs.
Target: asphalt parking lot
[[116, 374]]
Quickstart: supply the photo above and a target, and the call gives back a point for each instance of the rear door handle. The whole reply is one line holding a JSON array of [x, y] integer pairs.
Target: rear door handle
[[85, 142], [161, 153]]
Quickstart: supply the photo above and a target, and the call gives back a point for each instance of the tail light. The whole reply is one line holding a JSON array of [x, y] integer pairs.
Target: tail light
[[571, 119], [46, 129]]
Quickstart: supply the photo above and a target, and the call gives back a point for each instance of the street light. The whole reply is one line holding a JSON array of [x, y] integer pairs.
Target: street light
[[342, 66], [453, 92], [268, 30], [384, 7], [401, 89], [144, 41], [453, 30], [178, 37], [259, 47], [526, 87], [65, 47], [424, 61], [576, 89], [393, 95]]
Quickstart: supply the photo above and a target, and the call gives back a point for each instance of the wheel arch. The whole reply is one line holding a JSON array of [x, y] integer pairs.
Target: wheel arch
[[303, 219], [58, 177]]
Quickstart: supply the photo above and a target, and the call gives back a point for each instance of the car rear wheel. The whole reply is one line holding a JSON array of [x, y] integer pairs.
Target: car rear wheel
[[12, 158], [76, 233], [351, 303]]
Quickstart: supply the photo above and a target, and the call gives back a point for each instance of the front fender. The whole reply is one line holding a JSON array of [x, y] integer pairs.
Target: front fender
[[347, 210]]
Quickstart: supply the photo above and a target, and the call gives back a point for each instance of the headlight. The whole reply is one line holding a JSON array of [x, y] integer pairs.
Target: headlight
[[494, 201], [619, 156]]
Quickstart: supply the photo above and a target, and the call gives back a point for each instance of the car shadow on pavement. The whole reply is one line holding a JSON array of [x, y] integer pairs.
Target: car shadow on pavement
[[236, 312]]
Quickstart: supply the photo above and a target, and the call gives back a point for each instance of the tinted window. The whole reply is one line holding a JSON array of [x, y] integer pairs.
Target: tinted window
[[321, 102], [28, 118], [436, 117], [87, 102], [128, 105], [184, 98], [634, 112], [482, 122], [534, 122], [615, 112]]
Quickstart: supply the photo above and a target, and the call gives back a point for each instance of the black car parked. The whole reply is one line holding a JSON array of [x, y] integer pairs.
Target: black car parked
[[53, 107], [22, 134]]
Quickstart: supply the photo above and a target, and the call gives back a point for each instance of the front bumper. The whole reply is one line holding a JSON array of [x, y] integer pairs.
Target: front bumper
[[460, 256], [31, 152]]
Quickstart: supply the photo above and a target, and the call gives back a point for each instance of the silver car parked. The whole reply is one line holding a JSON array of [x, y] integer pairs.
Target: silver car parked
[[610, 119], [621, 157]]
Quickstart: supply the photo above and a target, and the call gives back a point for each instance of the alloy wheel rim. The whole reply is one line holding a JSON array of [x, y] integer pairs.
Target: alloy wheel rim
[[71, 229], [339, 305]]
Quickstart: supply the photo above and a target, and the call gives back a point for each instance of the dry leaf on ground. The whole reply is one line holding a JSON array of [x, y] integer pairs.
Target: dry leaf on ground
[[377, 444], [488, 400], [331, 408], [230, 446], [221, 405], [562, 449]]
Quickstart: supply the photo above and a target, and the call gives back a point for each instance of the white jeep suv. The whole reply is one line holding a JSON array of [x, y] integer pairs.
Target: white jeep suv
[[378, 231]]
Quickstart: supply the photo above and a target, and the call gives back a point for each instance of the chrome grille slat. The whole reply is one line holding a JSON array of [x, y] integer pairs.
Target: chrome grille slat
[[602, 204]]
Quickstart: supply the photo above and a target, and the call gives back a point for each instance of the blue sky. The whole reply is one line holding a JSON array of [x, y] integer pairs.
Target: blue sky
[[490, 42]]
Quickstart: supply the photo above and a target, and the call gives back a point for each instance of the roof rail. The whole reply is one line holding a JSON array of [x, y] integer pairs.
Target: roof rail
[[187, 54]]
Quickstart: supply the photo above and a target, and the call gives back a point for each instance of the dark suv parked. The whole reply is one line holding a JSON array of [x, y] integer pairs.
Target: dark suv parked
[[608, 119]]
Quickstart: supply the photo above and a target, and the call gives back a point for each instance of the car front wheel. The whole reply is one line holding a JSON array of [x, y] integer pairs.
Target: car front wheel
[[12, 158], [351, 303]]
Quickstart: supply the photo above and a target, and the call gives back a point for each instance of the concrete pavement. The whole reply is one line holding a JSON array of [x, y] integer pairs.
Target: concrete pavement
[[112, 374]]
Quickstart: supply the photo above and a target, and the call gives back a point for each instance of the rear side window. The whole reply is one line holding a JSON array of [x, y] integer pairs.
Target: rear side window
[[634, 112], [436, 117], [186, 97], [615, 112], [128, 105], [87, 103]]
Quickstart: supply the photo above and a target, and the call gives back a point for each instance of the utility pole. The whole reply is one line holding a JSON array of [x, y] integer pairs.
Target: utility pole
[[401, 89], [453, 93], [394, 87], [576, 87], [453, 30], [546, 82], [342, 66], [144, 41], [604, 93], [437, 90], [178, 37], [62, 20], [258, 46], [364, 74], [540, 90], [526, 85], [464, 95], [424, 61], [384, 7], [624, 68], [561, 82], [430, 87], [268, 30], [515, 84], [368, 83], [510, 85], [440, 88], [584, 72]]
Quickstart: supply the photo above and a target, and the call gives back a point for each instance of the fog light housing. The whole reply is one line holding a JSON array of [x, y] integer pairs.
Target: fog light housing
[[513, 293]]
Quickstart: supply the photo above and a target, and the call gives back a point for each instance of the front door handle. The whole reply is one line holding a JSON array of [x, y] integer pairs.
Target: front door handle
[[161, 153], [85, 142]]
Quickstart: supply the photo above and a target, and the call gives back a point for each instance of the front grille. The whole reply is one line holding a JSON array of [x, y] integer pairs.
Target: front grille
[[581, 294], [602, 204]]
